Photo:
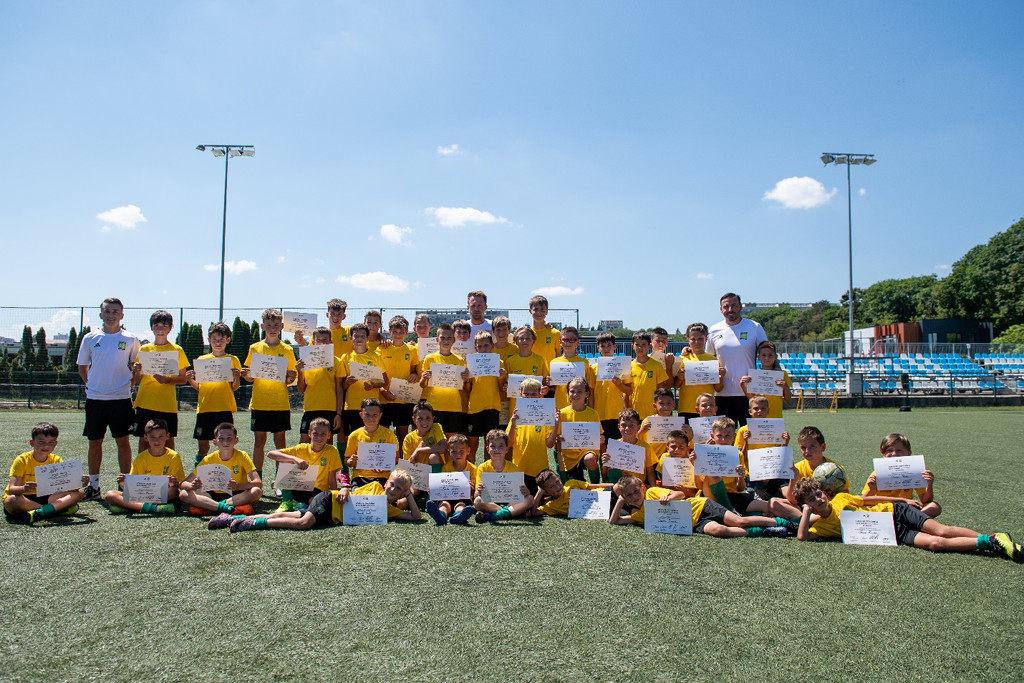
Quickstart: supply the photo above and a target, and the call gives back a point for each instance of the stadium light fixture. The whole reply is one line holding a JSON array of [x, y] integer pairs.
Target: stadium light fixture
[[226, 151], [849, 159]]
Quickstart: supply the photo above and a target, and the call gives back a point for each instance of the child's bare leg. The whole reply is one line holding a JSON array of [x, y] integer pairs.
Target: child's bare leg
[[117, 498], [200, 501], [721, 531], [259, 444], [474, 443], [481, 506], [779, 507], [932, 509], [761, 506], [250, 495], [124, 454], [18, 503], [946, 544], [445, 507], [735, 520], [62, 501], [204, 448]]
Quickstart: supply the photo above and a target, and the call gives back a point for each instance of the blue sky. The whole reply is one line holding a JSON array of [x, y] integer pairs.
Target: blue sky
[[624, 158]]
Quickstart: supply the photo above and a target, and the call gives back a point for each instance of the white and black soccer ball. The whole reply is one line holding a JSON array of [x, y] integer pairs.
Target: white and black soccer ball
[[831, 476]]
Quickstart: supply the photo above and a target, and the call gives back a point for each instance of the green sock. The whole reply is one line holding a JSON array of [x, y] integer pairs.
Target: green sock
[[45, 511], [199, 459], [149, 508], [435, 467], [260, 523], [985, 542], [71, 510], [562, 475], [238, 516], [166, 509], [286, 495], [503, 513], [721, 495], [594, 476], [223, 506], [117, 510], [755, 532], [614, 475]]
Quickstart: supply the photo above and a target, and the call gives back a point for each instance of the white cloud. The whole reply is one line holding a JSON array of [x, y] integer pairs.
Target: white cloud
[[558, 291], [800, 193], [862, 192], [280, 259], [377, 281], [452, 217], [449, 150], [126, 217], [396, 234], [941, 266], [705, 276], [232, 267]]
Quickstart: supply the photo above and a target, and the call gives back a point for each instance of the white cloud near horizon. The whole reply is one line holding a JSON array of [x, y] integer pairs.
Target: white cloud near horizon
[[800, 193], [377, 281], [705, 276], [457, 217], [125, 217], [232, 267], [449, 150], [557, 290], [396, 235]]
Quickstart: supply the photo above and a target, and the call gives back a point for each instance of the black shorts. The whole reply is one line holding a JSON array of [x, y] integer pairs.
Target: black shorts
[[480, 423], [736, 407], [711, 512], [304, 496], [271, 421], [207, 422], [396, 414], [351, 421], [908, 521], [144, 415], [611, 429], [363, 481], [740, 501], [320, 507], [451, 421], [118, 415], [531, 483], [311, 415]]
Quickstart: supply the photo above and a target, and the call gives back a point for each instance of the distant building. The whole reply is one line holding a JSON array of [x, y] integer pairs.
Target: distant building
[[609, 325], [450, 315], [750, 307]]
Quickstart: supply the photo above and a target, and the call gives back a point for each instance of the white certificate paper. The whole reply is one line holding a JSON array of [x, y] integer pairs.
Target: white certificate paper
[[213, 477], [626, 456], [580, 435], [361, 510], [406, 391], [716, 461], [427, 346], [536, 412], [673, 517], [610, 367], [317, 356], [299, 322], [763, 382], [272, 368], [867, 528], [365, 373], [463, 348], [700, 372], [58, 477], [677, 471], [701, 427], [446, 375], [449, 486], [563, 372], [290, 477], [502, 487], [159, 362], [762, 430], [145, 488], [900, 473], [770, 463], [589, 504], [483, 364], [420, 474], [376, 456], [213, 370], [661, 426]]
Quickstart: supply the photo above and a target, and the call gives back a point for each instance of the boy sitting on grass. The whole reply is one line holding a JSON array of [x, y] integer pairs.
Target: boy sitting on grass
[[21, 504], [552, 497], [245, 483], [157, 460], [327, 507], [820, 518], [496, 446], [317, 451], [898, 446], [455, 511]]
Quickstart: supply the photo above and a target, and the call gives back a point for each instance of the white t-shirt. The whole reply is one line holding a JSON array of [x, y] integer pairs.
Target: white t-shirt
[[473, 329], [109, 357], [736, 347]]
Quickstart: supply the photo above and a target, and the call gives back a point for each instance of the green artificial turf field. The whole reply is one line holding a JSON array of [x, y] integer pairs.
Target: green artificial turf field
[[101, 597]]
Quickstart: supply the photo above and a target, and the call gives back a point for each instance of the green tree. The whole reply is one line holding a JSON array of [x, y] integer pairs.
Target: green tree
[[254, 333], [195, 346], [1011, 335], [899, 301], [27, 354], [71, 351], [239, 344], [42, 359]]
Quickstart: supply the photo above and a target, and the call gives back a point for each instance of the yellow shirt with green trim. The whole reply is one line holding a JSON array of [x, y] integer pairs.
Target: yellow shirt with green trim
[[328, 460], [561, 390], [548, 344], [268, 394], [534, 364], [530, 453], [381, 435], [322, 388], [374, 488], [559, 507], [153, 395], [830, 527], [398, 363], [474, 475], [607, 397], [167, 464], [507, 351], [488, 467], [645, 378], [356, 392], [24, 466], [342, 341], [413, 440], [217, 397], [239, 463], [570, 457], [688, 393], [656, 492], [442, 398], [484, 394]]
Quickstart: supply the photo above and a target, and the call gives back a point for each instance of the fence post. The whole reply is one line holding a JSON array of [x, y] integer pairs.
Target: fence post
[[29, 397]]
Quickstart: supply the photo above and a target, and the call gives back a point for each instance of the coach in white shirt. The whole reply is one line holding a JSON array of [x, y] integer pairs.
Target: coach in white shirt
[[476, 304], [734, 341]]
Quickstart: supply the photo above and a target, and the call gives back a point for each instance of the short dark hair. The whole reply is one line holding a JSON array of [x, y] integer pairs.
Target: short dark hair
[[219, 328], [810, 433], [729, 295], [370, 403], [155, 424], [45, 429], [161, 316]]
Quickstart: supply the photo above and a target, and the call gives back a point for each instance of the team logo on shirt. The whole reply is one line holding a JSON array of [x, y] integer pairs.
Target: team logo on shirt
[[743, 335], [121, 346], [650, 374], [537, 429], [430, 441], [407, 356], [165, 469], [323, 462], [234, 469]]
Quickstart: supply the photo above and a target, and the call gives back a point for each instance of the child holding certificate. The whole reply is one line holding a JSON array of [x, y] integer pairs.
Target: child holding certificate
[[426, 444], [319, 451], [769, 488], [570, 340], [610, 396], [327, 508], [812, 447], [820, 518], [370, 432], [629, 427], [216, 399], [400, 361], [462, 510], [708, 517], [321, 389], [645, 375], [528, 444], [697, 338], [526, 362], [496, 444], [730, 492], [270, 411], [571, 462], [678, 446], [898, 446], [553, 495], [156, 397], [545, 335], [374, 323], [664, 403], [447, 401], [501, 328], [157, 460], [770, 361], [357, 390], [484, 396], [244, 484], [21, 503]]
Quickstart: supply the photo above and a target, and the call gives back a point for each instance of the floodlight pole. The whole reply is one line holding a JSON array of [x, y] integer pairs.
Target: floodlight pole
[[226, 151]]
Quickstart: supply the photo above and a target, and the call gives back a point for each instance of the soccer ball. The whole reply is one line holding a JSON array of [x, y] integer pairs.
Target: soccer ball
[[831, 476]]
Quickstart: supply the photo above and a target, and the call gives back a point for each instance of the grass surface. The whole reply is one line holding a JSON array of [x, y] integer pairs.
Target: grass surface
[[102, 597]]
